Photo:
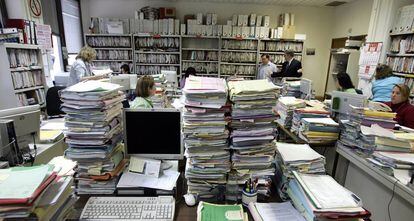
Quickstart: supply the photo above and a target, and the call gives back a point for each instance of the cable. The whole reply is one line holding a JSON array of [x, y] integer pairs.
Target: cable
[[35, 149], [392, 197]]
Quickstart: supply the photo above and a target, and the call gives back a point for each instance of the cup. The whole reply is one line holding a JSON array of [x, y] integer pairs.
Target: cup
[[249, 197]]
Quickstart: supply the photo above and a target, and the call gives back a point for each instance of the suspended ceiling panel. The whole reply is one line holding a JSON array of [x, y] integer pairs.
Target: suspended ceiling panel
[[316, 3]]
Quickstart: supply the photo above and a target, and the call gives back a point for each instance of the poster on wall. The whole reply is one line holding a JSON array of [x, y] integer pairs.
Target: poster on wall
[[368, 61]]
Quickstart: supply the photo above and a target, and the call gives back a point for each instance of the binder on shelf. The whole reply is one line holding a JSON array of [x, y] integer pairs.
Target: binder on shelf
[[20, 24], [259, 20], [234, 20], [252, 21], [156, 27], [177, 27], [183, 29]]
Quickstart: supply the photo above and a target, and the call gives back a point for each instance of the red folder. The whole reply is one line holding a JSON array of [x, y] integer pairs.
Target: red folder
[[36, 193]]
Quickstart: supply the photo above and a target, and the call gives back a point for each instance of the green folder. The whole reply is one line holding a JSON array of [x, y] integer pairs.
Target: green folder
[[215, 212]]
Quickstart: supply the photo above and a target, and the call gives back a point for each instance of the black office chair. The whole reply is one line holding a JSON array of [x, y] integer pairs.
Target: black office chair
[[358, 91], [53, 102]]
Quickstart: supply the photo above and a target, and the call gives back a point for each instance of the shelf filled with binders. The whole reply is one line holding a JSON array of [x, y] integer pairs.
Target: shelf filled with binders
[[114, 41], [114, 65], [238, 56], [27, 75], [402, 65], [402, 45], [153, 53]]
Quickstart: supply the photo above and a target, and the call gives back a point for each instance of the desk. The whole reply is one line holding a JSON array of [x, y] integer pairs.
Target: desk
[[375, 189]]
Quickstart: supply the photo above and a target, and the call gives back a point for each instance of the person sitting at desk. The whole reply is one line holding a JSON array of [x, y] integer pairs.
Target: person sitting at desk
[[344, 83], [125, 69], [401, 105], [291, 67], [384, 83], [81, 69], [266, 68], [144, 90], [188, 72]]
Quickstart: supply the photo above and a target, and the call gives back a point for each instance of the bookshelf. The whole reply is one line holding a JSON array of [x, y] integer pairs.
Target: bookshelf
[[24, 71], [400, 57], [275, 49], [239, 56], [153, 53], [112, 50], [201, 53]]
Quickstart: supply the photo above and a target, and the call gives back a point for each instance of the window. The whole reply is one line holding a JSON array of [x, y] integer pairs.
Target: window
[[73, 28]]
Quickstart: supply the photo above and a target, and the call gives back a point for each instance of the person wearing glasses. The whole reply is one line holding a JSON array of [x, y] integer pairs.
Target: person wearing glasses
[[144, 90]]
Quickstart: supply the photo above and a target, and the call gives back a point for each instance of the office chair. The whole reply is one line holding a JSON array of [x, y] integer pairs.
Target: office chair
[[358, 91], [53, 102]]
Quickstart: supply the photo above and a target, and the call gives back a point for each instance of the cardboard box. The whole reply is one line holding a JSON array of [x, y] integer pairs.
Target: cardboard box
[[252, 20], [182, 29], [259, 21], [240, 19], [234, 20], [199, 18], [288, 32], [266, 21], [214, 18]]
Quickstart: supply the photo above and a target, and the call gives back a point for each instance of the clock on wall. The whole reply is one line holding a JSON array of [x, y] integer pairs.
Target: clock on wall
[[35, 8]]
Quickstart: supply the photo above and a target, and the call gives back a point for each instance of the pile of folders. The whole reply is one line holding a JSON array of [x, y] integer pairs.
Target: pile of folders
[[94, 133]]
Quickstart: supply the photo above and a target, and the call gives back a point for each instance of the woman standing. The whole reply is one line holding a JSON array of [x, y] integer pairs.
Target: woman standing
[[81, 69]]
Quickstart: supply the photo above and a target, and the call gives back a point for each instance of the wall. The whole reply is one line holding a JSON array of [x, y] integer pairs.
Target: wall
[[315, 22], [353, 16]]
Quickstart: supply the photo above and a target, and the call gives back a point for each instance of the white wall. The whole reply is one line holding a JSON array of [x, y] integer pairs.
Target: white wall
[[353, 17], [315, 22]]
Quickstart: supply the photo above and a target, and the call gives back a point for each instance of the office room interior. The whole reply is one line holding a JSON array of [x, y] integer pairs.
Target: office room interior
[[207, 110]]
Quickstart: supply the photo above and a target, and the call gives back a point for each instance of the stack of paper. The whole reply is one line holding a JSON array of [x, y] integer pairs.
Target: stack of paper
[[34, 191], [368, 117], [320, 197], [318, 130], [274, 212], [159, 100], [94, 133], [285, 107], [291, 89], [307, 112], [205, 135], [253, 131], [360, 139], [295, 157], [395, 159]]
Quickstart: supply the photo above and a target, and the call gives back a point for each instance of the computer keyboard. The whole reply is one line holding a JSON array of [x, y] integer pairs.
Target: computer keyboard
[[159, 208]]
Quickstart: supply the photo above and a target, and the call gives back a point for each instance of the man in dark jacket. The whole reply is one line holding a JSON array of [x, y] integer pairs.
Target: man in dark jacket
[[291, 67]]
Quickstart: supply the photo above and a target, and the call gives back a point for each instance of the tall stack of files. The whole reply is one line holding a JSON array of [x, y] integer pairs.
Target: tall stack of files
[[318, 130], [253, 133], [291, 89], [159, 100], [307, 112], [94, 133], [320, 197], [285, 107], [391, 162], [295, 157], [356, 137], [368, 117], [34, 193], [205, 136]]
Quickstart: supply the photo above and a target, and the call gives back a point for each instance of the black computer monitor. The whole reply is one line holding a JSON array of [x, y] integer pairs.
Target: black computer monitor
[[153, 133]]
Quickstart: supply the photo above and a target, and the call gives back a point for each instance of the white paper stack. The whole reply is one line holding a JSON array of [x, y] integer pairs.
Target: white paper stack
[[253, 131], [159, 100], [285, 107], [205, 136], [94, 133]]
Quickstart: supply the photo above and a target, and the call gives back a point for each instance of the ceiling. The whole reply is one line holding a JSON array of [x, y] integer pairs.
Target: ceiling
[[316, 3]]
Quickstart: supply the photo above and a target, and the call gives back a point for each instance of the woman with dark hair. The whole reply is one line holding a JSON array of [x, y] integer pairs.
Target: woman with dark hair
[[188, 72], [344, 83], [125, 69], [401, 105], [384, 83]]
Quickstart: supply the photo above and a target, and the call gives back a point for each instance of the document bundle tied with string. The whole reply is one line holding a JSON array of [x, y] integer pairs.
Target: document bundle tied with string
[[253, 132], [94, 133], [205, 136]]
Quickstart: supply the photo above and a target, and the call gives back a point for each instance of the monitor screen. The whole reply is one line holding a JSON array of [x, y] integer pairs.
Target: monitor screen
[[153, 133]]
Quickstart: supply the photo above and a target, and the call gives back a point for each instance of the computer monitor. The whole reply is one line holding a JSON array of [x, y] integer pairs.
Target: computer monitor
[[306, 88], [142, 140], [26, 121], [341, 101], [171, 77], [123, 80]]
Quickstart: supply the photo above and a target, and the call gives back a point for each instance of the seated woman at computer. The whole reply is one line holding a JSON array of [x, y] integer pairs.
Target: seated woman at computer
[[384, 83], [144, 90], [125, 69], [344, 83], [401, 105], [81, 69], [188, 72]]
